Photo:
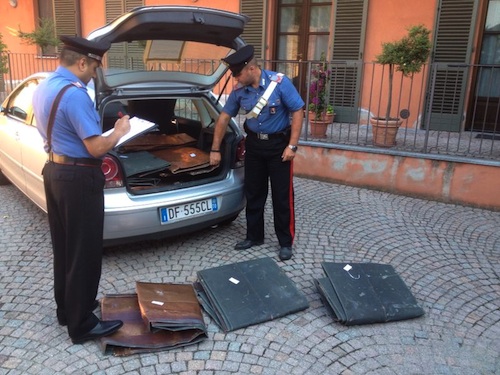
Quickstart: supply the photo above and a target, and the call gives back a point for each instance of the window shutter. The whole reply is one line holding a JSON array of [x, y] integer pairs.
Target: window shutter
[[65, 15], [348, 34], [451, 51], [254, 29], [348, 41], [124, 55]]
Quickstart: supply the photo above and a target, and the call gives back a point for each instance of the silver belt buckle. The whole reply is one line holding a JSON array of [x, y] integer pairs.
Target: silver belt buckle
[[263, 136]]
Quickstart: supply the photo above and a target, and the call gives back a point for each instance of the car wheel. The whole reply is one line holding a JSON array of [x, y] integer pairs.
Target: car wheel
[[3, 179]]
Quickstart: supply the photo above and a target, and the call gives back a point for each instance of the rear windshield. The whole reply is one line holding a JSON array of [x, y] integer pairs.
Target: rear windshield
[[167, 55]]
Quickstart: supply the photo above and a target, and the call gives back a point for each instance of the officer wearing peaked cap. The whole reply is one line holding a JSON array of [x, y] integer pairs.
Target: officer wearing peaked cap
[[274, 114], [74, 183], [94, 50]]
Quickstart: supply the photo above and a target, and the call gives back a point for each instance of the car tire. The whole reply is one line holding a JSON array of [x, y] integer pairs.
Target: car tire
[[3, 180]]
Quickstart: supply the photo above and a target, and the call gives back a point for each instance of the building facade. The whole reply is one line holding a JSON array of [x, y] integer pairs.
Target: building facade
[[349, 32]]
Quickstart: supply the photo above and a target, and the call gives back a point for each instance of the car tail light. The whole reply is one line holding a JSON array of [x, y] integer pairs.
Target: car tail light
[[112, 173], [240, 154]]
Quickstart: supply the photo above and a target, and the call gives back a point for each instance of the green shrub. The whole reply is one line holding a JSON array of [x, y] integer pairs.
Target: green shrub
[[4, 68], [407, 55], [43, 36]]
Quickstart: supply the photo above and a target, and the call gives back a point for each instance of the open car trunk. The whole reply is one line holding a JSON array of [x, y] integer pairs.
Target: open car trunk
[[176, 153]]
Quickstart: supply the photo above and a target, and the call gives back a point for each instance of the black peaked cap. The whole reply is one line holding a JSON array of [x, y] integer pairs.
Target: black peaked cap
[[94, 50], [238, 60]]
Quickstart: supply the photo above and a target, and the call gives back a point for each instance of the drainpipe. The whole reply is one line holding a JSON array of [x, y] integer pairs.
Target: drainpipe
[[78, 18]]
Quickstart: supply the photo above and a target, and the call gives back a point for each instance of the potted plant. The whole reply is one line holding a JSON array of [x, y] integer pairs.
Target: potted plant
[[321, 113], [43, 36], [407, 55]]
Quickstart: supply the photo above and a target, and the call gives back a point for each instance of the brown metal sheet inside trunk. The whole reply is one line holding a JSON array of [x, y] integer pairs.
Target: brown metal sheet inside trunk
[[183, 159]]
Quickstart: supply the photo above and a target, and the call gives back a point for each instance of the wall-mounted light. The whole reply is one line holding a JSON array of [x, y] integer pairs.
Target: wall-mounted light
[[13, 3]]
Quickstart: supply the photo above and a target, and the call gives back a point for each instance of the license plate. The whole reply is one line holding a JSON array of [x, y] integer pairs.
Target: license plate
[[184, 211]]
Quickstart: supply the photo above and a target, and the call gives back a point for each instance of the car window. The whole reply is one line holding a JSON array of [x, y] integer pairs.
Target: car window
[[167, 55], [20, 104]]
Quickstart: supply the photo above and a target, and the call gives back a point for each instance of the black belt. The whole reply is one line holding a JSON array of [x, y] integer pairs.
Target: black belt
[[81, 162], [266, 136]]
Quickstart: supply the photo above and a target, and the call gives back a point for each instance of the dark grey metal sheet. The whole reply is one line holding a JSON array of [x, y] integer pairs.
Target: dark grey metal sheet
[[246, 293], [363, 293]]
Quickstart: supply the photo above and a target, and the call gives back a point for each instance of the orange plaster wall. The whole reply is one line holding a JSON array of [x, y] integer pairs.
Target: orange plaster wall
[[231, 6], [92, 15], [22, 17], [477, 185], [421, 177], [388, 21], [461, 183], [93, 12]]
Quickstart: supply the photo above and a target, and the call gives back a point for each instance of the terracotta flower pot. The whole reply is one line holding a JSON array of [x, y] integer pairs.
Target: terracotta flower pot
[[385, 131], [318, 128]]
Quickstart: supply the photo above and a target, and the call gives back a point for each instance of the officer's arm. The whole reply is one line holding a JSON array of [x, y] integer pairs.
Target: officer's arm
[[220, 130], [297, 118], [99, 145]]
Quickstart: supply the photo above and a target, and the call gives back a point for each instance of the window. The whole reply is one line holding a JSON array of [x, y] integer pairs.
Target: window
[[489, 81], [20, 104]]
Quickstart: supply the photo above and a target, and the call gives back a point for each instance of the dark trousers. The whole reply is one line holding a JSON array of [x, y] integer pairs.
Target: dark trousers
[[75, 205], [263, 163]]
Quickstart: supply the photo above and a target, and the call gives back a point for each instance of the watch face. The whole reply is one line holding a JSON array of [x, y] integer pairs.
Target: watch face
[[293, 148]]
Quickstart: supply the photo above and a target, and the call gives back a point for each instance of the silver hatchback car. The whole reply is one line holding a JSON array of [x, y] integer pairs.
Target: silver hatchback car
[[159, 182]]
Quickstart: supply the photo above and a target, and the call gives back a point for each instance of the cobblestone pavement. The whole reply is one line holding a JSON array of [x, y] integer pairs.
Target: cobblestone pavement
[[448, 255]]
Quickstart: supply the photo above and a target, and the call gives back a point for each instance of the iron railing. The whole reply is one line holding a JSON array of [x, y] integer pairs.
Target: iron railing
[[449, 111]]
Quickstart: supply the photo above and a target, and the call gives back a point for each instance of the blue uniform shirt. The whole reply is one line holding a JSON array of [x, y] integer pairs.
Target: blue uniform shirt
[[275, 116], [76, 118]]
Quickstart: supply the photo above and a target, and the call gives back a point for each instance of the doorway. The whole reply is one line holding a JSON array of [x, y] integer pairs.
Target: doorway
[[485, 112], [303, 33]]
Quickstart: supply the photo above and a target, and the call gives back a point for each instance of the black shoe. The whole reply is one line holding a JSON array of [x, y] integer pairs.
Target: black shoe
[[62, 320], [285, 253], [103, 328], [247, 244]]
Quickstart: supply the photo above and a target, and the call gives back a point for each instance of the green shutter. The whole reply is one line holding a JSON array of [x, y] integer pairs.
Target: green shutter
[[123, 55], [348, 41], [254, 29], [65, 15], [451, 51]]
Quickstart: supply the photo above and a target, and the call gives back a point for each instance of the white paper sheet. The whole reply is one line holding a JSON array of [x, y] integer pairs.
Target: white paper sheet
[[137, 126]]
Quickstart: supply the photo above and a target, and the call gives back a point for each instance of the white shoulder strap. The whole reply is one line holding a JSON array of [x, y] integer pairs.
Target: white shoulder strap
[[265, 97]]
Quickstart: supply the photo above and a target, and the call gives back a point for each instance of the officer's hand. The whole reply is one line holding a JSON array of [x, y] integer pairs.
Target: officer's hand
[[122, 125], [215, 158], [288, 154]]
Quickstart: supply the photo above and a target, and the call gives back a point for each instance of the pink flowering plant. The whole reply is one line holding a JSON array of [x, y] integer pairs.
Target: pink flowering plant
[[318, 90]]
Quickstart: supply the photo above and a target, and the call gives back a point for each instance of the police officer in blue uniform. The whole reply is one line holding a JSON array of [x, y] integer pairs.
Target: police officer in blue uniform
[[273, 124], [74, 184]]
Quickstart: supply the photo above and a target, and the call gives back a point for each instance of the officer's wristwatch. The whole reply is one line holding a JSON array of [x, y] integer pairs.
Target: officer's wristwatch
[[293, 148]]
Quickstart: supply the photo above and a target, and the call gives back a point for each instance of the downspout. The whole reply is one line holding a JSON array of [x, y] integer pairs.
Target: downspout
[[78, 18]]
